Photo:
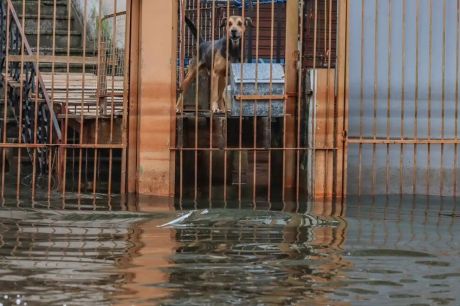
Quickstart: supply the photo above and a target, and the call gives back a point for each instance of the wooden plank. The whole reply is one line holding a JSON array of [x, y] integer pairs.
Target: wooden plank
[[57, 59], [259, 97]]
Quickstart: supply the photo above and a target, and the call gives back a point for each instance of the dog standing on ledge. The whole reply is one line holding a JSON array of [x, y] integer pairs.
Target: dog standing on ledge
[[215, 63]]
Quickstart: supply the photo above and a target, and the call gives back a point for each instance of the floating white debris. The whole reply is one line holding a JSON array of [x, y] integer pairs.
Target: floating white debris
[[178, 220]]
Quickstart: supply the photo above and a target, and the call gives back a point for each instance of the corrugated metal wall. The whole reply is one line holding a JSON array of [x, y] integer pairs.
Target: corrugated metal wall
[[403, 97]]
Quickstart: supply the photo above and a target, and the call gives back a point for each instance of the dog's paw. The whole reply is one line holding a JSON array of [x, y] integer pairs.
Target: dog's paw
[[215, 108], [179, 103]]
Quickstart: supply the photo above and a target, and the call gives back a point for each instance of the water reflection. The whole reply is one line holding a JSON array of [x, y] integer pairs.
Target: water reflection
[[241, 255], [50, 257], [370, 251]]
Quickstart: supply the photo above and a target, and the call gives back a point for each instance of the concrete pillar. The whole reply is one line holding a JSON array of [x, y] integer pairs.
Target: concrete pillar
[[156, 100]]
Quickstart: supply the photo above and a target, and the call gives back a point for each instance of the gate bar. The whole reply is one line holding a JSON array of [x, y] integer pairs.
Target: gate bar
[[291, 66]]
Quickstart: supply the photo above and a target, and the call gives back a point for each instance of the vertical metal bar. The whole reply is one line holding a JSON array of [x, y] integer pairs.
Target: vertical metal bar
[[457, 78], [197, 77], [285, 110], [291, 64], [126, 81], [443, 96], [182, 51], [66, 120], [21, 88], [327, 37], [299, 99], [374, 127], [313, 159], [112, 94], [37, 65], [344, 41], [226, 119], [403, 97], [80, 160], [272, 30], [112, 114], [53, 56], [240, 130], [5, 92], [99, 71], [388, 131], [254, 157], [328, 86], [430, 70], [416, 98], [361, 107], [133, 93], [211, 117], [73, 141]]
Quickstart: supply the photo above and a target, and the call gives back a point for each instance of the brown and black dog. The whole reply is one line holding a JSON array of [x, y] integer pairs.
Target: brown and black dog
[[213, 58]]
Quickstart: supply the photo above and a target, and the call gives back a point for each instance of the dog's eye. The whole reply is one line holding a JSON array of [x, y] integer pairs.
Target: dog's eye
[[240, 23], [230, 24]]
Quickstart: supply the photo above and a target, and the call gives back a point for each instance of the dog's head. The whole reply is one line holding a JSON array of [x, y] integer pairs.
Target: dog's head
[[236, 26]]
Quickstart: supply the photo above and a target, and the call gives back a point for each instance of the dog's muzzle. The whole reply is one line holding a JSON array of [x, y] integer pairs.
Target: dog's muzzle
[[235, 39]]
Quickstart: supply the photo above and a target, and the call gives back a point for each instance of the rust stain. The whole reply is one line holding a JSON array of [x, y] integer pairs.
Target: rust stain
[[157, 83]]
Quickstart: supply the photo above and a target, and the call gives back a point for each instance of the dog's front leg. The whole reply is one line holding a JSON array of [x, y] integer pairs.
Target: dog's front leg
[[189, 77], [214, 92], [221, 89]]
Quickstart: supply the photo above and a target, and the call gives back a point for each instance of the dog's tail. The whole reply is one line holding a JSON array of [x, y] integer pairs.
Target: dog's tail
[[193, 29]]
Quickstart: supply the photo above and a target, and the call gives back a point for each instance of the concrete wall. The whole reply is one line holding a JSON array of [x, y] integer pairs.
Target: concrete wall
[[91, 15]]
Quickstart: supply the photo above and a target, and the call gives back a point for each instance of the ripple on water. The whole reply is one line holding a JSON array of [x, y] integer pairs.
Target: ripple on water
[[372, 255]]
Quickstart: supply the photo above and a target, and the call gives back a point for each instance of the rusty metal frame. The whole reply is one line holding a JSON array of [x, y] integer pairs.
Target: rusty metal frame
[[65, 155], [330, 146], [438, 141]]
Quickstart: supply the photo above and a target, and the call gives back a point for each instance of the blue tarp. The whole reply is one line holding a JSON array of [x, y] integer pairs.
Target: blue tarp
[[239, 3]]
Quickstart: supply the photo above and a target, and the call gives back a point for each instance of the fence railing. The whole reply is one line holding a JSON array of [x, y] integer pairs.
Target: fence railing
[[24, 89]]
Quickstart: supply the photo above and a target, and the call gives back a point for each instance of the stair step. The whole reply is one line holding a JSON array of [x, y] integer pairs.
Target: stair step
[[60, 37], [46, 6], [57, 59], [47, 22], [78, 51]]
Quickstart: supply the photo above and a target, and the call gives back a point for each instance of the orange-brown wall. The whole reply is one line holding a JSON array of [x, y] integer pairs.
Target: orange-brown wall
[[157, 75]]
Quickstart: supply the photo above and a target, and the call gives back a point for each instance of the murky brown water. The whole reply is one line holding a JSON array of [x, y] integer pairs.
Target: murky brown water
[[367, 252]]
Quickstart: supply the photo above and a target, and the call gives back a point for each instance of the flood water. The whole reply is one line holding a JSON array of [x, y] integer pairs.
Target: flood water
[[369, 251]]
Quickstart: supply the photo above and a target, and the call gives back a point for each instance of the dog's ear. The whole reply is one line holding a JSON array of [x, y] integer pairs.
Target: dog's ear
[[223, 23], [248, 22]]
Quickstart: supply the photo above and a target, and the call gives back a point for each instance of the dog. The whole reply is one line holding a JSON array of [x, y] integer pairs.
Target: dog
[[213, 58]]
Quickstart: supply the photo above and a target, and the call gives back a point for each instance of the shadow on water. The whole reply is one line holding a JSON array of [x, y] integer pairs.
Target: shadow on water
[[96, 251]]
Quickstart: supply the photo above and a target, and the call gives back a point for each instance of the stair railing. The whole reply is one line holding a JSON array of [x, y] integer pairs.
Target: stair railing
[[32, 84]]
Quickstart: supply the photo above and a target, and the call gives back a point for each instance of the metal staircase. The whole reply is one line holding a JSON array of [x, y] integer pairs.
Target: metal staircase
[[22, 86]]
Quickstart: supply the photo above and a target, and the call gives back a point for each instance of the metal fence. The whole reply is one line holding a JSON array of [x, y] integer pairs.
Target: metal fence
[[261, 146], [328, 97], [403, 97], [64, 100]]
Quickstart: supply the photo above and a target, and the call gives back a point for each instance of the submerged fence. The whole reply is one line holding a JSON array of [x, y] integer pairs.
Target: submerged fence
[[64, 103], [404, 97], [261, 145], [324, 98]]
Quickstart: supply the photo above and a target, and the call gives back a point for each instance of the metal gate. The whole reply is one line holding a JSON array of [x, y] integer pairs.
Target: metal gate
[[403, 74], [64, 111], [278, 135]]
